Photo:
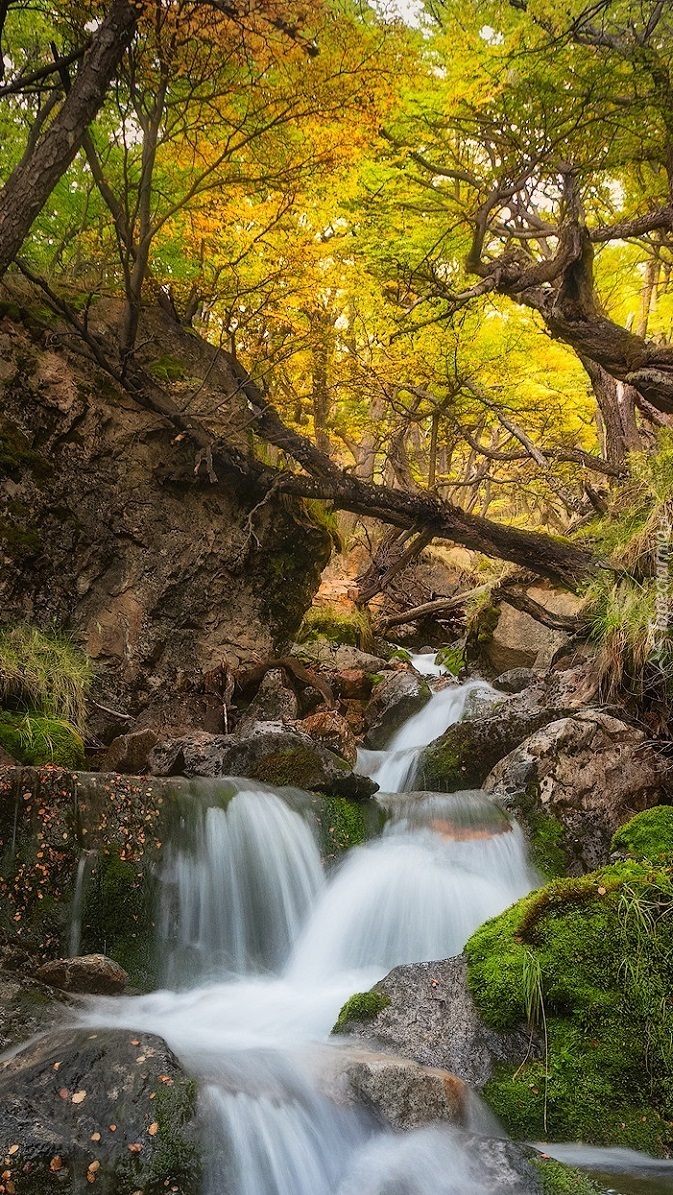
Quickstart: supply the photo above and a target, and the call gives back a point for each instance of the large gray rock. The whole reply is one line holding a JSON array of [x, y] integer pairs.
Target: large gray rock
[[95, 974], [515, 680], [394, 700], [400, 1092], [339, 659], [269, 752], [433, 1020], [129, 753], [591, 772], [520, 641], [463, 756], [107, 1106]]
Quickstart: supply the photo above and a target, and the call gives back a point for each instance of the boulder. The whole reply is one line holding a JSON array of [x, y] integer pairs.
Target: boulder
[[432, 1019], [331, 730], [400, 1092], [515, 680], [269, 752], [275, 701], [129, 753], [28, 1008], [590, 772], [103, 1106], [463, 756], [395, 699], [520, 641], [95, 974]]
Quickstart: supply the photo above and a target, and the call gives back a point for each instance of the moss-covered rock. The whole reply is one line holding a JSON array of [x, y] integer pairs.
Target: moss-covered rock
[[363, 1007], [452, 657], [351, 628], [589, 963], [649, 835], [35, 740], [557, 1179]]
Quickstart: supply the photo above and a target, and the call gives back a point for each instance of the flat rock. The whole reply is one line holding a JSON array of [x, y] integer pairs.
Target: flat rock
[[104, 1105], [402, 1093], [27, 1008], [339, 659], [95, 974], [432, 1019]]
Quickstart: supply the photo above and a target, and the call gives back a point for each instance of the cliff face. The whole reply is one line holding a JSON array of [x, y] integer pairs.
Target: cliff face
[[106, 529]]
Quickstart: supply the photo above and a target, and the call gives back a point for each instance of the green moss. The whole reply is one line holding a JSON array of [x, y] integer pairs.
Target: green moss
[[452, 658], [546, 836], [363, 1006], [167, 368], [16, 454], [557, 1179], [35, 740], [117, 917], [174, 1159], [450, 764], [342, 627], [10, 310], [648, 835], [600, 951], [344, 824], [295, 768]]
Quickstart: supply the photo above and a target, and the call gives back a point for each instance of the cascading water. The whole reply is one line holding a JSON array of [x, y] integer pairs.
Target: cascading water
[[238, 885], [395, 768], [272, 952]]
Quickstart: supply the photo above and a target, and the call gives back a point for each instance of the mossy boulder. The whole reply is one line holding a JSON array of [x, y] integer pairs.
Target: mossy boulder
[[35, 740], [463, 757], [350, 628], [105, 1106], [393, 701], [452, 657], [589, 963]]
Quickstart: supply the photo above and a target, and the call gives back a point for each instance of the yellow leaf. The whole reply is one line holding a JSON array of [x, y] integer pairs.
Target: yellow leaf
[[153, 1129], [78, 1097], [55, 1164]]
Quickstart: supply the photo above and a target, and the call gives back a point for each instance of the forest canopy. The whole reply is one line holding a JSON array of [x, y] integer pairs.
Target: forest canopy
[[433, 241]]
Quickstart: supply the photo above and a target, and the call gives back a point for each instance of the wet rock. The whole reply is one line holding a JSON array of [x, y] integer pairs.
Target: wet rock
[[27, 1008], [354, 684], [400, 1092], [103, 1106], [590, 772], [275, 701], [330, 730], [514, 680], [501, 1166], [394, 700], [463, 756], [95, 974], [432, 1019], [129, 753], [269, 752], [6, 760]]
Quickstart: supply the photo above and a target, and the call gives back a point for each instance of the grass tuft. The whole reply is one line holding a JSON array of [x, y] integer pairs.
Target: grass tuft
[[45, 673]]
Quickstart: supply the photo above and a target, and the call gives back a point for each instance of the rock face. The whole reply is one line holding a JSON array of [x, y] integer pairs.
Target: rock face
[[432, 1019], [107, 528], [591, 773], [94, 974], [394, 700], [269, 752], [101, 1106], [398, 1091]]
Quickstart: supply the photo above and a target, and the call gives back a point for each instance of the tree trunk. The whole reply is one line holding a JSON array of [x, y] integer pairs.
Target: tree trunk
[[616, 403], [32, 181]]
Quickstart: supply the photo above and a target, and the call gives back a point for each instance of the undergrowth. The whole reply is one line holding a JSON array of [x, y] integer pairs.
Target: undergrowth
[[43, 672]]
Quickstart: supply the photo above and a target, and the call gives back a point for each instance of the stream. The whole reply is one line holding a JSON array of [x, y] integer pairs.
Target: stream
[[262, 948]]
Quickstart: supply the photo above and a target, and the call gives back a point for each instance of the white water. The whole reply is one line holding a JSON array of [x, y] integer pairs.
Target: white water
[[394, 769], [424, 663], [239, 885]]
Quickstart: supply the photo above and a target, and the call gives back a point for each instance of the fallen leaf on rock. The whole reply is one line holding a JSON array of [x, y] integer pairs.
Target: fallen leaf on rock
[[113, 1128], [134, 1041], [55, 1164], [140, 1058], [9, 1187], [13, 1149], [95, 1136], [93, 1167], [56, 1065], [154, 1128], [135, 1148], [79, 1097], [64, 1093]]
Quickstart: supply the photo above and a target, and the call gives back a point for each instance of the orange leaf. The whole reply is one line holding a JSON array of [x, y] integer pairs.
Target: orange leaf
[[55, 1164], [153, 1129], [95, 1136], [79, 1097], [135, 1148]]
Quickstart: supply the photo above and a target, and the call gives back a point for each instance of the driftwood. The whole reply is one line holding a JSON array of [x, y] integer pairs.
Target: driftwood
[[253, 677], [516, 598]]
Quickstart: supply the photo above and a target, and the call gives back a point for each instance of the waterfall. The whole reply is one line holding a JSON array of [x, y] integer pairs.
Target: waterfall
[[263, 952], [395, 768], [83, 874], [238, 886]]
